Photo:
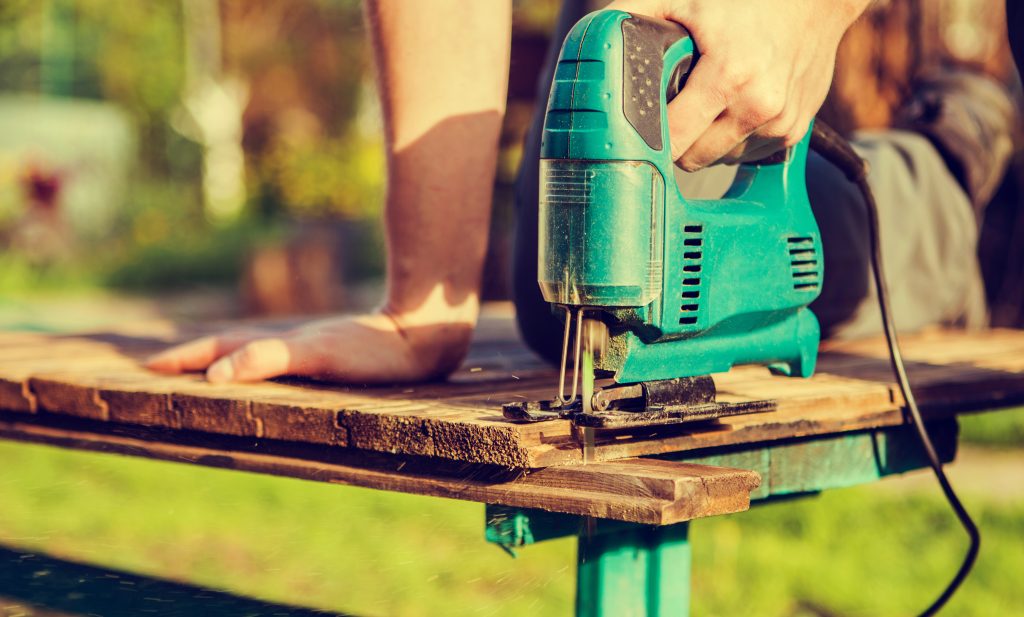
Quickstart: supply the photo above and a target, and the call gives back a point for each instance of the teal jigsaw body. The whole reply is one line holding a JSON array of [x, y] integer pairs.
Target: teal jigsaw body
[[687, 287]]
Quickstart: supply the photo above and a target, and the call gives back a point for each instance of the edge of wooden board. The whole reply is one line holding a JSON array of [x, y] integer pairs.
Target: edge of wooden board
[[459, 421], [634, 490]]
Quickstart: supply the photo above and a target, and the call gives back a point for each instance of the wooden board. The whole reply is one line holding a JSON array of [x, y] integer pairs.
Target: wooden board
[[645, 491], [98, 377]]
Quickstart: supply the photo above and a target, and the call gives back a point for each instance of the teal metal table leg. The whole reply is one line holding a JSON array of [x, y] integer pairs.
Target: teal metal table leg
[[639, 571], [630, 569]]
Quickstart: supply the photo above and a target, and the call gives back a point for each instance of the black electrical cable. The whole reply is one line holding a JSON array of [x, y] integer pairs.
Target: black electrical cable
[[830, 145]]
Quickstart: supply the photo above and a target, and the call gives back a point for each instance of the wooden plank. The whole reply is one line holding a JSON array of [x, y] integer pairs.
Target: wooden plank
[[787, 468], [98, 377], [635, 490]]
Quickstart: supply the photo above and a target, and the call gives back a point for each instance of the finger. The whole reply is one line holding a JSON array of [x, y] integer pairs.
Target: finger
[[198, 354], [721, 138], [799, 129], [753, 149], [773, 138], [745, 150], [367, 350], [705, 95], [256, 360], [697, 107]]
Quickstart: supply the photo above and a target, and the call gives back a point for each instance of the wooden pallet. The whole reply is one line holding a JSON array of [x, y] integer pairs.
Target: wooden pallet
[[449, 439], [648, 491], [98, 377]]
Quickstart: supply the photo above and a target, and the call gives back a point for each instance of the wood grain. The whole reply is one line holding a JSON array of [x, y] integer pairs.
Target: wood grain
[[635, 490], [98, 377]]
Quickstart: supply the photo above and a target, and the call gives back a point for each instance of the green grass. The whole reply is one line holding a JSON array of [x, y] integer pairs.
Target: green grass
[[1002, 429], [862, 551]]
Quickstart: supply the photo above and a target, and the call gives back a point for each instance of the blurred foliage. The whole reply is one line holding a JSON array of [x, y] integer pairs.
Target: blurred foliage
[[302, 60], [21, 32], [1003, 429], [312, 134], [311, 129], [126, 53], [130, 53], [308, 176]]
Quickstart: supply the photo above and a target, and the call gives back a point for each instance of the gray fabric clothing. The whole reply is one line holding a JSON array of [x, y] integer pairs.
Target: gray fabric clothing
[[929, 236]]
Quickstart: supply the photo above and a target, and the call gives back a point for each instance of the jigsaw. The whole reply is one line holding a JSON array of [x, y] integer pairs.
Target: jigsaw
[[659, 291]]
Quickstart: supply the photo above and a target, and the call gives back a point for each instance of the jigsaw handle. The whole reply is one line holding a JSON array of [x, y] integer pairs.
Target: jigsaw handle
[[616, 74], [610, 208], [644, 38], [657, 56]]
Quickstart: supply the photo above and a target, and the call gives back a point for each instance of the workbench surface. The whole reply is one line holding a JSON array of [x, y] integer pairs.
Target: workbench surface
[[89, 391]]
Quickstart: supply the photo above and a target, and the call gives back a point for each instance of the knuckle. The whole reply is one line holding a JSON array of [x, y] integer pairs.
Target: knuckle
[[765, 105], [725, 86], [793, 137], [718, 95], [731, 77], [749, 122], [725, 91], [776, 131]]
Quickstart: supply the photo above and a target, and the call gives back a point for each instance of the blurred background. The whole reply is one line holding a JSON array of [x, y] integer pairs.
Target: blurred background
[[226, 155], [210, 159]]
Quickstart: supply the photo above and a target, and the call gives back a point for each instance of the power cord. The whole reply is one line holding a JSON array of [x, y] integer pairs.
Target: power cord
[[836, 150]]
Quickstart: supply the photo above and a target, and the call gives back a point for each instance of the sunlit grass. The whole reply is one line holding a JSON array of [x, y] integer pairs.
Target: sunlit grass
[[861, 551], [1003, 429]]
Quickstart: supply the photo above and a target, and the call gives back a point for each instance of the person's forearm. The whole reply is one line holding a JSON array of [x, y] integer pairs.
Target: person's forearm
[[443, 73]]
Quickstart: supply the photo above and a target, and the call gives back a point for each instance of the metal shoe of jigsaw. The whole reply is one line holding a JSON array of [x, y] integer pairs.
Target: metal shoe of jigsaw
[[661, 291]]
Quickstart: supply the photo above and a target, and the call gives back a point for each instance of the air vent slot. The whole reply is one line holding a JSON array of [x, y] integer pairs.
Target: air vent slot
[[804, 263], [693, 255]]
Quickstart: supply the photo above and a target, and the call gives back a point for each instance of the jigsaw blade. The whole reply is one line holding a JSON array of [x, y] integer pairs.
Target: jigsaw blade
[[590, 346], [587, 366]]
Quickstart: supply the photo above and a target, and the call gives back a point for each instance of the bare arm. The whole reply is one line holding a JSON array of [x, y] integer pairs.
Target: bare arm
[[443, 68], [443, 72]]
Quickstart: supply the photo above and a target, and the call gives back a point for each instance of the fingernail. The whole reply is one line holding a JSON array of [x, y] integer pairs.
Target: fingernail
[[220, 371]]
